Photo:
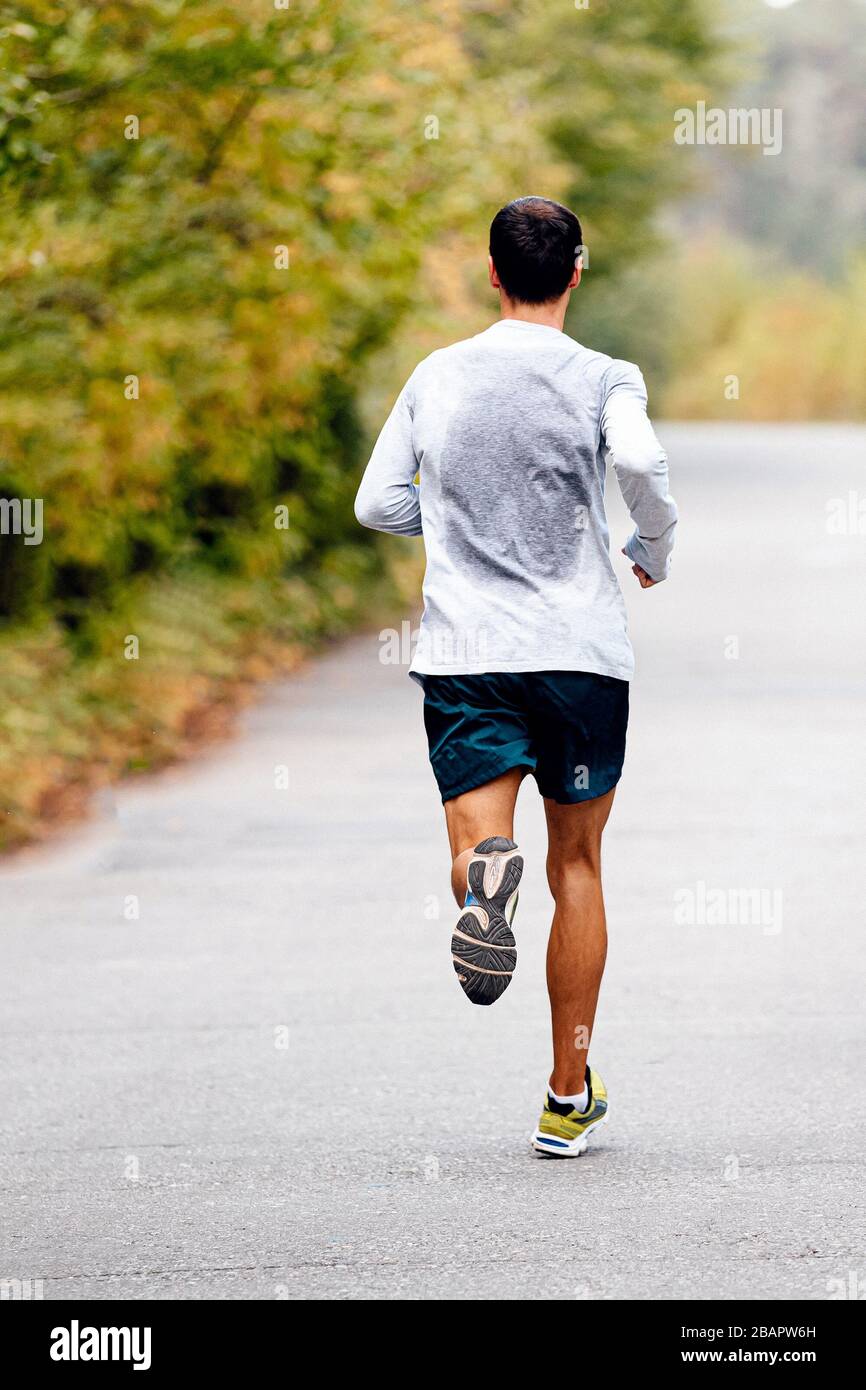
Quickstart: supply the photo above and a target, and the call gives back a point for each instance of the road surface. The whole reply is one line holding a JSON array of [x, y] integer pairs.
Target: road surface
[[268, 1083]]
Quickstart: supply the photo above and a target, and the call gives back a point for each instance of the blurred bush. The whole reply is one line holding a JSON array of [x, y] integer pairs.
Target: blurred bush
[[211, 219], [214, 217], [796, 343], [185, 315]]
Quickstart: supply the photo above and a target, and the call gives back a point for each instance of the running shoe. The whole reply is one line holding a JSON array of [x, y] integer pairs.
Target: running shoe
[[482, 947], [562, 1131]]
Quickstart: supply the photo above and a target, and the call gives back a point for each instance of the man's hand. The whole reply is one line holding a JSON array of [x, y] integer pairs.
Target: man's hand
[[642, 576]]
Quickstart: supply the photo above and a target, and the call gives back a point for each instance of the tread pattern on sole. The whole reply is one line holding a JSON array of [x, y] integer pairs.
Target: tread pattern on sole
[[483, 948]]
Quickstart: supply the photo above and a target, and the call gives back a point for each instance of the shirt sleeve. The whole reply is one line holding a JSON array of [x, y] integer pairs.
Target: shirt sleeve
[[641, 468], [388, 498]]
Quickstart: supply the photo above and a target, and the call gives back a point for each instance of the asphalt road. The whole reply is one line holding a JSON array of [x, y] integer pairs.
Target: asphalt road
[[269, 1084]]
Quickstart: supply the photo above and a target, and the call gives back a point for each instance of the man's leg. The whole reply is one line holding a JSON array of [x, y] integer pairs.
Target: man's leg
[[485, 871], [477, 815], [578, 939]]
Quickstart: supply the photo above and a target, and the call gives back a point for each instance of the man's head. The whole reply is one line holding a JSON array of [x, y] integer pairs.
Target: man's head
[[534, 244]]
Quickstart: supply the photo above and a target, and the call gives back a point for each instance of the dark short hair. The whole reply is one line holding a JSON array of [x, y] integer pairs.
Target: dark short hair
[[534, 242]]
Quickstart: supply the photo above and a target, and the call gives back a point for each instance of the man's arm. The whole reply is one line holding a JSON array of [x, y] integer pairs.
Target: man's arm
[[388, 497], [641, 467]]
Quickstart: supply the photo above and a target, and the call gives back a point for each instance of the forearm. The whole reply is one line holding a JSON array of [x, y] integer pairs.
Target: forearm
[[388, 498], [390, 506], [654, 513], [641, 468]]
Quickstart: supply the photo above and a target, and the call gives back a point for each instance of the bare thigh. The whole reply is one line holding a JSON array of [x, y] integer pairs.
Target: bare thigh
[[574, 835]]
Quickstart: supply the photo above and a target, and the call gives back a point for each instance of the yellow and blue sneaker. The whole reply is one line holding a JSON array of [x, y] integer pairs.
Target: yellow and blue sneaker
[[563, 1131], [483, 949]]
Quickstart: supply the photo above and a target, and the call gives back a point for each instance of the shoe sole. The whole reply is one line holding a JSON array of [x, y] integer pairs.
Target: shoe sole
[[483, 949], [548, 1147]]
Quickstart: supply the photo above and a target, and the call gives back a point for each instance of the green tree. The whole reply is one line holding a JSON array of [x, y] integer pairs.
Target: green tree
[[602, 83]]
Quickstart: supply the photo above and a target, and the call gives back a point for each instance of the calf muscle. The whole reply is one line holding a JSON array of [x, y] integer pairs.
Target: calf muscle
[[577, 949]]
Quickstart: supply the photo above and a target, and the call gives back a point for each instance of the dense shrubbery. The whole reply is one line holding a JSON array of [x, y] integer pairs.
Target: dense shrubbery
[[166, 381], [155, 258]]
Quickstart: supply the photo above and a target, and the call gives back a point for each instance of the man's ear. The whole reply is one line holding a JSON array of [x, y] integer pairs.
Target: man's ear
[[491, 271], [575, 279]]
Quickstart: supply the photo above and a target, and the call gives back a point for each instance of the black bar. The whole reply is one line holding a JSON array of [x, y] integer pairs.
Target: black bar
[[224, 1338]]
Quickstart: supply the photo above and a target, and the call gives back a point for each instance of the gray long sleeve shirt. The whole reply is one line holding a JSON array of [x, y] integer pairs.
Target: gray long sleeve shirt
[[509, 433]]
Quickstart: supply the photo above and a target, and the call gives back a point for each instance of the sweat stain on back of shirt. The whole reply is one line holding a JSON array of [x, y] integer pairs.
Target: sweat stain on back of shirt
[[515, 478]]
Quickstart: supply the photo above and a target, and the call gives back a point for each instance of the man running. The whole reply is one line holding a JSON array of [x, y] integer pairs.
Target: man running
[[523, 651]]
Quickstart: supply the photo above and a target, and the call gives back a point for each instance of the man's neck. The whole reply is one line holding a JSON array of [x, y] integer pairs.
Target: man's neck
[[551, 315]]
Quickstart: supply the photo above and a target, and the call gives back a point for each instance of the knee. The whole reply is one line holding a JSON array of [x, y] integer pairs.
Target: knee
[[571, 877]]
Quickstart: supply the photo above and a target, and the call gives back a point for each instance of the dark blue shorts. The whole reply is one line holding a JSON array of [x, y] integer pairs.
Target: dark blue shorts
[[567, 727]]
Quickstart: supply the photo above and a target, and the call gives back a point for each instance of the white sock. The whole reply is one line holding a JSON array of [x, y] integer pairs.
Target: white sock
[[580, 1102]]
